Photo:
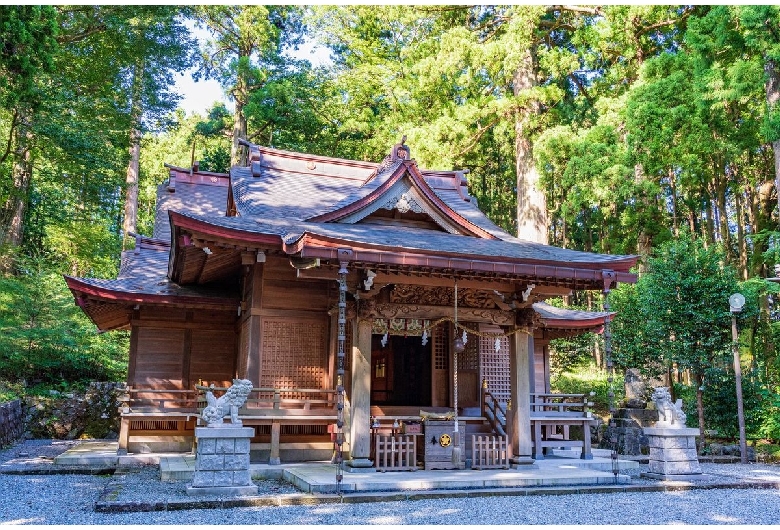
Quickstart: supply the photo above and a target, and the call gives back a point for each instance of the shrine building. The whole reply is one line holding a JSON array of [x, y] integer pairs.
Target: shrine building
[[356, 296]]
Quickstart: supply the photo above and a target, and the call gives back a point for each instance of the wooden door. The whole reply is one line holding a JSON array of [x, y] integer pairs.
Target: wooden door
[[468, 372], [381, 371]]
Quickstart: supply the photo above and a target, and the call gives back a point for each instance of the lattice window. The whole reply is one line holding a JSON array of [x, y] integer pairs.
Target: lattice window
[[495, 365], [441, 357], [294, 354]]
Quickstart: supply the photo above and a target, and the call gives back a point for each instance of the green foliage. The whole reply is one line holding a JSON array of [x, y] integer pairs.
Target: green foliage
[[590, 379], [679, 311], [571, 353], [45, 338], [28, 34]]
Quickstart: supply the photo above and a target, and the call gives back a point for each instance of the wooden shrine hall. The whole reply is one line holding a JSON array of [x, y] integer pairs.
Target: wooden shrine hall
[[359, 298]]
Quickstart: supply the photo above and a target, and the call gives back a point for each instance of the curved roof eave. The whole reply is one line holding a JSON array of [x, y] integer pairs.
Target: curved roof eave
[[118, 295], [415, 175]]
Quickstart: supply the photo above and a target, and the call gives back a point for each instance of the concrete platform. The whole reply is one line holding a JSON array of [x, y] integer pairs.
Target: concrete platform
[[561, 468], [103, 453], [320, 478]]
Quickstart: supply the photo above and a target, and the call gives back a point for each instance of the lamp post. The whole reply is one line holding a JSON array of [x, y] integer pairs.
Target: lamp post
[[736, 301]]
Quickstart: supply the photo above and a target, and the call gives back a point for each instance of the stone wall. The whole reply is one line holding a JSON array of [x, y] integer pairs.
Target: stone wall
[[93, 414], [624, 433], [11, 422]]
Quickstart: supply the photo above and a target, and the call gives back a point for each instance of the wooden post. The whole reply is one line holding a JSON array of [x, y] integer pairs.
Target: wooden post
[[520, 389], [276, 429], [360, 428], [124, 435], [483, 397]]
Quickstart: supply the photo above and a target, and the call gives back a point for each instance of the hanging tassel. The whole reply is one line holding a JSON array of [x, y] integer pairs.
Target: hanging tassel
[[498, 344], [465, 337], [384, 340], [425, 337]]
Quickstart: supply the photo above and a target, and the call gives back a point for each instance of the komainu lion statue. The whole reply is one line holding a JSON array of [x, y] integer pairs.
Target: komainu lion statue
[[226, 404], [668, 413]]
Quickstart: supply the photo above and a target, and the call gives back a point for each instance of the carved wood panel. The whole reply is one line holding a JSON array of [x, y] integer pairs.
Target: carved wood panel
[[442, 296]]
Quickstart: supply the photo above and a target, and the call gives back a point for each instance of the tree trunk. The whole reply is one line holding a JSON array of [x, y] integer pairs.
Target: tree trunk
[[675, 206], [709, 226], [532, 224], [722, 215], [15, 208], [741, 243], [644, 242], [241, 96], [237, 151], [772, 86], [700, 409], [130, 222]]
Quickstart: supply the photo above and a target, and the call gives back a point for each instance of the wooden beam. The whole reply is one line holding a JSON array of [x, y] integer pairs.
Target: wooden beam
[[550, 290]]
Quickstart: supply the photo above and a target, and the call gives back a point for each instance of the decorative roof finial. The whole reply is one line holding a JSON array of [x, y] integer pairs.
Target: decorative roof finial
[[400, 150]]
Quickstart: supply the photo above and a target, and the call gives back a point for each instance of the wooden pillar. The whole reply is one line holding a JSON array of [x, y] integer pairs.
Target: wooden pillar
[[520, 347], [360, 398], [251, 325]]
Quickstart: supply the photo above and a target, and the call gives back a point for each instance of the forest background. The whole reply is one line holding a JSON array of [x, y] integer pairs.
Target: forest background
[[648, 130]]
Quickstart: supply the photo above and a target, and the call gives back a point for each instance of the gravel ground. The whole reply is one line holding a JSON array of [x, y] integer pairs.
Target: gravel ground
[[69, 499]]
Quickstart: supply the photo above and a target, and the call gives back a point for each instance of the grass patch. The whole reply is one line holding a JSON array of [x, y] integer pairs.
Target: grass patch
[[590, 379]]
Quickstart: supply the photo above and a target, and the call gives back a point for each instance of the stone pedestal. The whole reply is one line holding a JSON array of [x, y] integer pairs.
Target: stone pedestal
[[672, 452], [222, 461]]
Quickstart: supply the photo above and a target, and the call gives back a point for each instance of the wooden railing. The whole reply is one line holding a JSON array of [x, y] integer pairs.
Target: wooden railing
[[177, 410], [489, 452], [147, 399], [282, 406], [263, 400], [494, 411], [155, 412], [395, 452], [551, 417]]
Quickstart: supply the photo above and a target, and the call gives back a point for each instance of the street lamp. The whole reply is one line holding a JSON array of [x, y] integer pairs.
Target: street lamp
[[736, 301]]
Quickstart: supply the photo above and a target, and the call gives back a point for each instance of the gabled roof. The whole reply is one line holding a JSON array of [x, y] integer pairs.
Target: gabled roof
[[402, 187], [293, 186]]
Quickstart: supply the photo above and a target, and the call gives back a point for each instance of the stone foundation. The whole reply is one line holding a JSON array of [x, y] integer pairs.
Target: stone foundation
[[222, 462], [672, 452]]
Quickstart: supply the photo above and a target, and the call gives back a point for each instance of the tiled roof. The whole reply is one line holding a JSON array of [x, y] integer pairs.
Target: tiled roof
[[412, 239], [470, 211], [187, 198], [144, 273], [274, 194], [552, 315]]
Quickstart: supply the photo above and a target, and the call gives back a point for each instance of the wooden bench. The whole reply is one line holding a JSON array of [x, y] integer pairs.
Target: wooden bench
[[552, 415]]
